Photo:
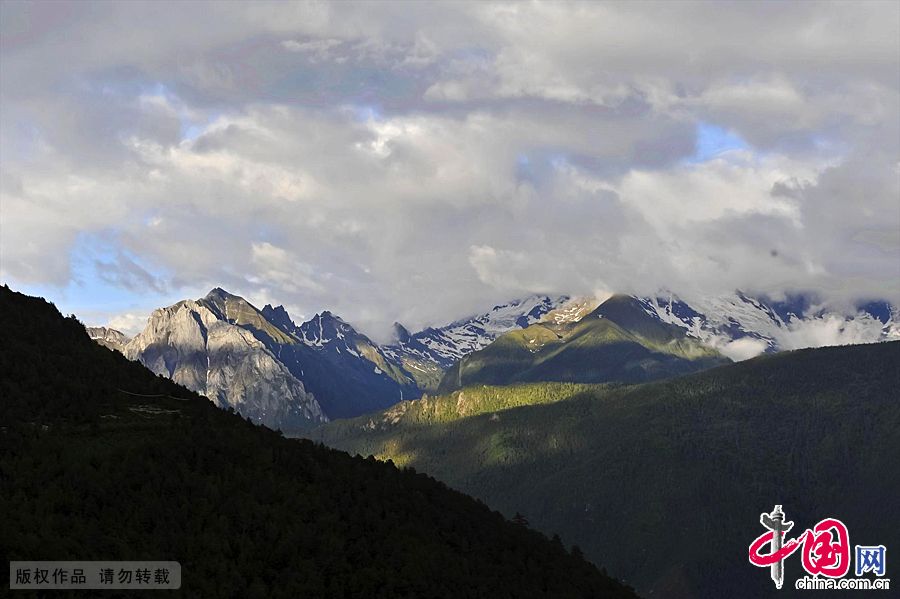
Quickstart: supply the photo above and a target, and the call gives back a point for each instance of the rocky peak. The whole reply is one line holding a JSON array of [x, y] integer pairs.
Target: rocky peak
[[218, 299], [236, 310], [401, 333], [280, 318], [324, 328], [191, 343], [218, 292]]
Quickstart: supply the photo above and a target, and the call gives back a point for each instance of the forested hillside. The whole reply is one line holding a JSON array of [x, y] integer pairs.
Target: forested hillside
[[663, 483], [100, 459]]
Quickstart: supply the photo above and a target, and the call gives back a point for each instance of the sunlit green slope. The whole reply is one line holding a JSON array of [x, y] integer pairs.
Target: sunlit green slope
[[617, 342], [664, 482]]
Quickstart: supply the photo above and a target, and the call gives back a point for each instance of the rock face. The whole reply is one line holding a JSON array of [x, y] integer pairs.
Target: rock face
[[267, 367], [193, 343], [108, 337], [347, 371]]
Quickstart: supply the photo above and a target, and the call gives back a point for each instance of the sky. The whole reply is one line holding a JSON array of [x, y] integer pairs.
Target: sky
[[417, 162]]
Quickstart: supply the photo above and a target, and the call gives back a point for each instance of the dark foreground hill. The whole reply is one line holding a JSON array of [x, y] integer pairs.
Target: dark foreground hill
[[664, 482], [100, 459]]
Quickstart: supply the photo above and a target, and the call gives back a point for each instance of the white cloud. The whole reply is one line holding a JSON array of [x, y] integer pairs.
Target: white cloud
[[831, 330], [274, 267], [503, 269], [129, 323], [740, 349], [415, 162], [316, 50]]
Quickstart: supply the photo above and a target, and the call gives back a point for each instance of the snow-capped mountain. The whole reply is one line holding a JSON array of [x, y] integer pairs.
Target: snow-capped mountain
[[447, 344], [740, 326], [428, 353], [571, 310], [328, 329], [287, 375], [617, 342]]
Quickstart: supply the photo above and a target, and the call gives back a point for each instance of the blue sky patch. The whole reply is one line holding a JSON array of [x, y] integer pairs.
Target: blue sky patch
[[713, 140]]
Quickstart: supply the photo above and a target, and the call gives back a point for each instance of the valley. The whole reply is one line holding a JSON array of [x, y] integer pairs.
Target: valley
[[652, 468]]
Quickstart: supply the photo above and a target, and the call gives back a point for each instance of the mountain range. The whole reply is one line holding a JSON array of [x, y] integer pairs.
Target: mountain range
[[101, 458], [445, 345], [294, 376]]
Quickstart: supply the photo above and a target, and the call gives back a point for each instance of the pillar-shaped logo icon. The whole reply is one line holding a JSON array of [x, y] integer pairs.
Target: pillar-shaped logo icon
[[776, 523]]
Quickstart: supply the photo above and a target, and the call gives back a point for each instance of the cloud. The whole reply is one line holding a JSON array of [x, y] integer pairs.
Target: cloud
[[417, 162], [317, 50], [125, 272], [740, 349], [129, 323], [275, 267], [831, 330], [503, 269]]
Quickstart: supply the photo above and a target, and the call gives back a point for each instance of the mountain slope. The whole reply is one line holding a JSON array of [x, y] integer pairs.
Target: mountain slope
[[617, 342], [664, 482], [348, 373], [90, 440], [238, 311]]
